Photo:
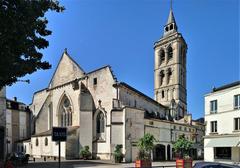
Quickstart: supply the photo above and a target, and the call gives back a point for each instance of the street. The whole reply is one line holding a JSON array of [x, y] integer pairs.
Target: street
[[89, 164]]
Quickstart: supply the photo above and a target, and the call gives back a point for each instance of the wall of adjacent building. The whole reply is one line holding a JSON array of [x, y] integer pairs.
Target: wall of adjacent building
[[224, 116], [2, 123], [225, 111], [18, 126]]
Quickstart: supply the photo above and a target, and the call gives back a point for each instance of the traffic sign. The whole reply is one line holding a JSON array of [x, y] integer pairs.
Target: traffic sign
[[59, 133]]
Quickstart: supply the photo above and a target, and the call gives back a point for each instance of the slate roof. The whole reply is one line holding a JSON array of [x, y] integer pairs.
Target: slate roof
[[226, 86]]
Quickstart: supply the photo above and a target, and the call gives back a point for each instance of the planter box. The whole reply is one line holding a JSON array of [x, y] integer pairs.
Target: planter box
[[143, 163], [181, 163]]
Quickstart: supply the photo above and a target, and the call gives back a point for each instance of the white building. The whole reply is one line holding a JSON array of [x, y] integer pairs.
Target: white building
[[18, 125], [222, 117]]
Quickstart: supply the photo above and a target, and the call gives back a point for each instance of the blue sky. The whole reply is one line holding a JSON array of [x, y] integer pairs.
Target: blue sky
[[121, 33]]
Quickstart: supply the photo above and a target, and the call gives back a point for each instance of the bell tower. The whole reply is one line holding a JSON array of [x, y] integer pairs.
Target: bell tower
[[170, 69]]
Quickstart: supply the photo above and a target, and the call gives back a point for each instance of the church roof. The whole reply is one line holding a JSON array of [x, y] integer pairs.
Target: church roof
[[139, 93], [67, 57]]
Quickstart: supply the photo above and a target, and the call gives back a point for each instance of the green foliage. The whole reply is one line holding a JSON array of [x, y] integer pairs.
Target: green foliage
[[145, 145], [22, 29], [118, 156], [182, 145], [85, 153]]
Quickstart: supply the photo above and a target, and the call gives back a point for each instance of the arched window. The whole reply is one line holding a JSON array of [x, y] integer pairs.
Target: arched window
[[162, 55], [162, 75], [46, 141], [100, 123], [65, 112], [162, 93], [37, 142], [166, 29], [169, 75], [170, 52]]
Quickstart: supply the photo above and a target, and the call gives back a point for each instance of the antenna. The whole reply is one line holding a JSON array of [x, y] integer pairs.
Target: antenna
[[171, 4]]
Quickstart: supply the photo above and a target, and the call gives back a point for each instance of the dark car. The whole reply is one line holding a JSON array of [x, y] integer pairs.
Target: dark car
[[19, 158], [213, 165]]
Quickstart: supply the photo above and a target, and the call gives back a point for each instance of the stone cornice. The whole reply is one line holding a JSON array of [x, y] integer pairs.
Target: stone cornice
[[170, 38]]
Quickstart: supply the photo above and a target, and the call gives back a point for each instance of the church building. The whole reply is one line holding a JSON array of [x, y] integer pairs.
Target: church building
[[101, 112]]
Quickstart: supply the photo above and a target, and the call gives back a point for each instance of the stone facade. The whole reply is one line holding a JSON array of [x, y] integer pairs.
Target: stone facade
[[101, 112], [170, 69]]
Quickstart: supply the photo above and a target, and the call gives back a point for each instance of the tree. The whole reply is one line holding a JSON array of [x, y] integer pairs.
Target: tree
[[182, 145], [22, 29], [145, 145]]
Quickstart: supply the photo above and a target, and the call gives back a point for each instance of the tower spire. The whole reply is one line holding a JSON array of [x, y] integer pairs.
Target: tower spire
[[171, 25], [171, 5], [171, 18]]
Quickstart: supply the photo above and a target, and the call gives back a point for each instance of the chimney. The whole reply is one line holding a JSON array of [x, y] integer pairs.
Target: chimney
[[15, 99]]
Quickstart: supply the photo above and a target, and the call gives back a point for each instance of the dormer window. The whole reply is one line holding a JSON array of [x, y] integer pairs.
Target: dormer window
[[171, 26]]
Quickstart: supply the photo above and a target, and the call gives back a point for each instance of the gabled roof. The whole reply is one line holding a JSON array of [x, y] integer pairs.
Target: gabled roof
[[106, 66], [65, 54]]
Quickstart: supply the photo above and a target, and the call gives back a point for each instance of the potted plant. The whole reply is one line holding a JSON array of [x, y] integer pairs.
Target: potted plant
[[182, 146], [145, 146], [85, 153], [118, 156]]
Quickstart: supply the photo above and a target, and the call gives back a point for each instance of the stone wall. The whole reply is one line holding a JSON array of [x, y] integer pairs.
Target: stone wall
[[132, 99]]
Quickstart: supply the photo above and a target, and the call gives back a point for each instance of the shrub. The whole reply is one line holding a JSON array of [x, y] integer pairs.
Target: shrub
[[85, 153], [118, 156]]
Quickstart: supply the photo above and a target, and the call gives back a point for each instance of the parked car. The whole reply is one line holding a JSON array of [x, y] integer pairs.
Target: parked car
[[213, 165], [19, 158]]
